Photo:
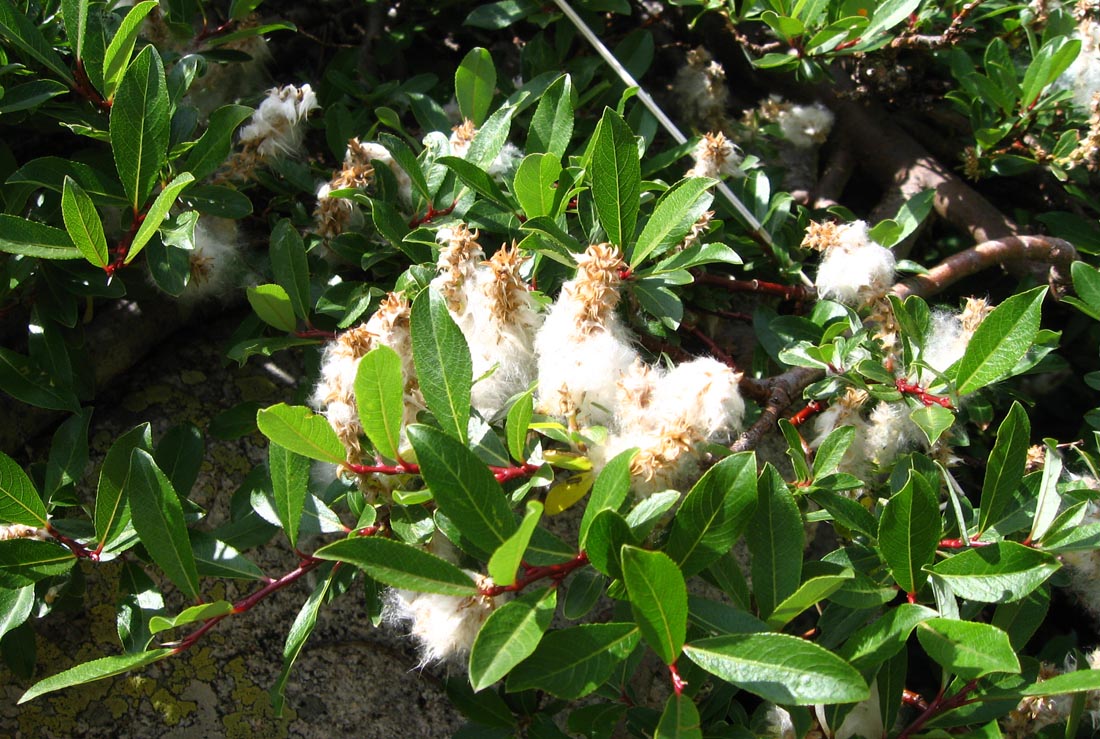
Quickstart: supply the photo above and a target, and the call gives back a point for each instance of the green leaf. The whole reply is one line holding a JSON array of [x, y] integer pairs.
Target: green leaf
[[83, 223], [301, 431], [552, 123], [909, 531], [535, 184], [75, 15], [215, 558], [1066, 683], [680, 719], [675, 213], [31, 239], [407, 160], [19, 501], [273, 306], [518, 424], [506, 559], [296, 639], [714, 513], [658, 600], [998, 573], [289, 266], [112, 504], [1005, 468], [24, 381], [26, 561], [380, 398], [1000, 341], [809, 594], [97, 669], [1053, 58], [179, 455], [616, 178], [212, 148], [510, 635], [775, 537], [831, 451], [967, 648], [475, 81], [158, 211], [1046, 507], [608, 492], [22, 33], [140, 119], [290, 484], [121, 47], [15, 607], [933, 420], [443, 364], [780, 668], [190, 615], [463, 488], [68, 452], [884, 637], [400, 565], [30, 95], [158, 519], [477, 179], [571, 663]]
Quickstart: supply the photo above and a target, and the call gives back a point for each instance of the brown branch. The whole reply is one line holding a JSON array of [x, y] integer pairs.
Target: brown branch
[[949, 37], [783, 390], [1057, 253], [787, 292]]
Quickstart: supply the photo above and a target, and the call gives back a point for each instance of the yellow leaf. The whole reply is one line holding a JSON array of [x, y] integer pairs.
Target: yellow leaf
[[565, 494]]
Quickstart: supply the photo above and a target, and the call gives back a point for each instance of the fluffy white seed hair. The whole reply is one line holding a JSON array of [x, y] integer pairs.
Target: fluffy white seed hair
[[855, 270], [889, 433], [276, 126], [371, 152], [215, 260], [715, 156], [806, 126]]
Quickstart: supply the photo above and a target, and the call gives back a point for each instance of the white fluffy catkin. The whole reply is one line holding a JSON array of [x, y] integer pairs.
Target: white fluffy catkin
[[276, 127], [715, 156], [854, 270]]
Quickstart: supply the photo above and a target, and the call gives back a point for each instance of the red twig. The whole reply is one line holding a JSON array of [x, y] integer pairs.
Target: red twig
[[719, 353], [557, 573], [907, 388], [678, 683], [812, 408], [787, 292], [315, 333], [86, 90], [123, 247], [910, 698], [502, 474], [939, 705], [74, 546], [432, 214], [208, 32], [962, 543]]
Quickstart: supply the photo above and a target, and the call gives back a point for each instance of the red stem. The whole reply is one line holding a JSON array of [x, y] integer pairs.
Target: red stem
[[432, 214], [123, 247], [86, 90], [678, 683], [718, 352], [910, 698], [74, 546], [502, 474], [557, 573], [315, 333], [962, 543], [908, 388], [787, 292], [939, 705], [812, 408]]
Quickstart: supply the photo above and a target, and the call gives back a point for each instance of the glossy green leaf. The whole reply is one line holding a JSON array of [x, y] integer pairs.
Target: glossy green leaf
[[1005, 468], [273, 306], [572, 662], [179, 455], [535, 184], [616, 178], [290, 485], [443, 364], [158, 519], [463, 487], [158, 211], [30, 95], [775, 537], [117, 56], [97, 669], [1077, 681], [31, 239], [19, 501], [608, 492], [400, 565], [301, 431], [380, 398], [75, 15], [552, 124], [518, 424], [21, 32], [477, 179], [809, 594], [112, 504], [15, 607], [675, 213], [933, 420], [212, 148], [909, 531], [658, 600], [23, 380], [506, 559], [1050, 500], [679, 720], [216, 558], [780, 668], [714, 513], [999, 573], [475, 82], [289, 266], [967, 648], [26, 561], [139, 125], [1001, 341], [607, 535], [510, 635], [68, 452], [83, 223], [407, 161], [190, 615], [296, 639], [884, 637]]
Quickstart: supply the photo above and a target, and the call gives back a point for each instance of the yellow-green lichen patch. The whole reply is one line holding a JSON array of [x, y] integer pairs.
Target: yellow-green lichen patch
[[192, 377], [171, 708]]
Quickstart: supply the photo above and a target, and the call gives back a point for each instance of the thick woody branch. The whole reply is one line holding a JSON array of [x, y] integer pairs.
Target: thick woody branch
[[1057, 253], [783, 390], [954, 32]]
